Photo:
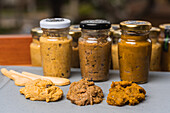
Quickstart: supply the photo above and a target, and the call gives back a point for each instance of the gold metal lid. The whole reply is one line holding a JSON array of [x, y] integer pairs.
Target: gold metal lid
[[135, 25], [115, 27], [155, 29], [164, 26], [154, 32], [75, 27], [36, 32], [75, 32]]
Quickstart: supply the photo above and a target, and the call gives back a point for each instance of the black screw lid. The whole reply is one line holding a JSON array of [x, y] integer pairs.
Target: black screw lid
[[97, 24]]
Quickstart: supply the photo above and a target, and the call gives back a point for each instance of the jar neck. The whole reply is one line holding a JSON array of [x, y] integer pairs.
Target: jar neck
[[135, 35], [115, 40], [95, 33], [55, 32], [154, 40]]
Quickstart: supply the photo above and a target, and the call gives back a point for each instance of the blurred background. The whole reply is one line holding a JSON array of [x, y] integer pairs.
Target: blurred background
[[19, 16]]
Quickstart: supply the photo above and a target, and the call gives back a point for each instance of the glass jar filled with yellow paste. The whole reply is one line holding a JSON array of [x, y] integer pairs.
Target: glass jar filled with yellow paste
[[56, 47], [164, 39], [95, 49], [75, 32], [134, 48], [35, 46], [155, 63], [114, 35], [114, 52]]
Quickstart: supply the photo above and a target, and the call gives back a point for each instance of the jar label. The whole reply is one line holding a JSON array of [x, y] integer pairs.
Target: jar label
[[166, 41]]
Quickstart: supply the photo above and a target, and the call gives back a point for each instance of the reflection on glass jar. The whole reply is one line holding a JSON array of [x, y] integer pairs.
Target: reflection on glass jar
[[155, 64], [75, 32], [56, 49], [134, 50], [164, 39], [95, 49], [35, 47]]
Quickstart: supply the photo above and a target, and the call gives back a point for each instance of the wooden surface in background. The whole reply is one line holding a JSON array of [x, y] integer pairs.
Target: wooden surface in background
[[15, 50]]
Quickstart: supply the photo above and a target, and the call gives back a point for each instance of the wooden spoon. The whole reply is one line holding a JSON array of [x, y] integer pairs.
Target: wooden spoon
[[56, 80]]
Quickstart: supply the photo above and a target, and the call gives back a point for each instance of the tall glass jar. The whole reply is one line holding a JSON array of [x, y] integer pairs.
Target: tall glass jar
[[134, 50], [164, 39], [75, 32], [95, 49], [35, 46], [115, 59], [155, 64], [56, 47]]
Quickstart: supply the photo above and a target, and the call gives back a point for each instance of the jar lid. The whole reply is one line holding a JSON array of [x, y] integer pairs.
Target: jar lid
[[77, 27], [75, 32], [36, 32], [55, 23], [164, 26], [96, 24], [155, 29], [135, 25], [154, 32], [115, 27]]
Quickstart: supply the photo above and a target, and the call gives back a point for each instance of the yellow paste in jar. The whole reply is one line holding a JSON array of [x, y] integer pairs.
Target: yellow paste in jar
[[165, 58], [115, 59], [75, 63], [155, 57], [35, 53], [75, 32], [134, 59], [165, 42], [115, 34], [95, 60], [56, 56]]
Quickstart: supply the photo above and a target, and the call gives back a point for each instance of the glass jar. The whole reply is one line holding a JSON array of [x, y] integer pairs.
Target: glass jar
[[75, 32], [115, 59], [114, 36], [155, 63], [95, 50], [134, 49], [56, 47], [164, 39], [35, 47]]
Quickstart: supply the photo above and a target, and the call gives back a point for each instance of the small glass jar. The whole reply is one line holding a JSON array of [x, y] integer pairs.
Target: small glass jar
[[134, 50], [56, 47], [95, 49], [75, 32], [164, 39], [155, 63], [35, 47], [114, 36], [115, 59]]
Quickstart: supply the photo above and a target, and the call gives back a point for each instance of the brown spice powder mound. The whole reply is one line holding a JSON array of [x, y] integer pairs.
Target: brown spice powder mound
[[84, 92], [125, 92]]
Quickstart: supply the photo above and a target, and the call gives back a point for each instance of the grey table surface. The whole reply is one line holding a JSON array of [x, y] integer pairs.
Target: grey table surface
[[157, 97]]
